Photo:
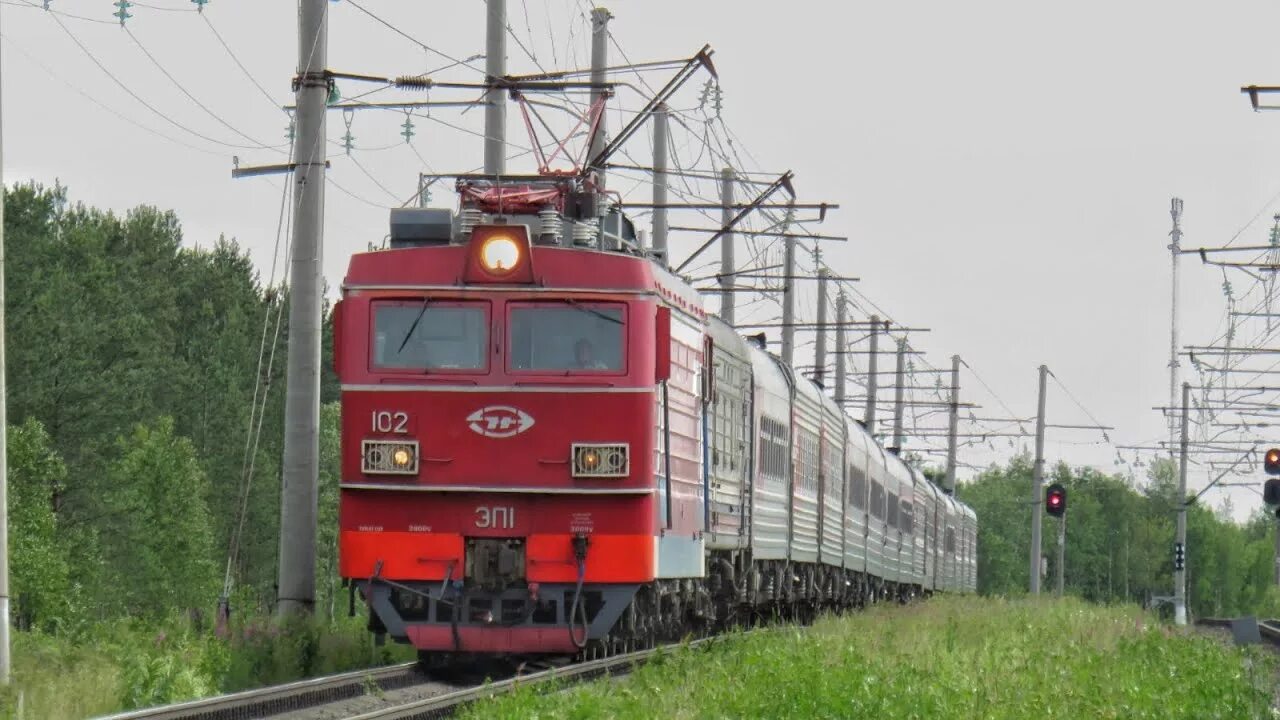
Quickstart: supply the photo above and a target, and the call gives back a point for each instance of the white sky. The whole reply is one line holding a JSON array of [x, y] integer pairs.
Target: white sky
[[1004, 168]]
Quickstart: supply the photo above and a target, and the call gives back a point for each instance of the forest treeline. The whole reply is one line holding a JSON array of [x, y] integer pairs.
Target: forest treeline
[[1119, 544], [134, 363], [133, 368]]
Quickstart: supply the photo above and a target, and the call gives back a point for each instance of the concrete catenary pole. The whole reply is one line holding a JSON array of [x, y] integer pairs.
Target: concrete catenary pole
[[1037, 484], [1175, 249], [873, 377], [297, 586], [953, 426], [789, 302], [842, 340], [495, 109], [600, 18], [727, 265], [4, 465], [661, 139], [899, 392], [1180, 576], [1060, 568], [820, 353]]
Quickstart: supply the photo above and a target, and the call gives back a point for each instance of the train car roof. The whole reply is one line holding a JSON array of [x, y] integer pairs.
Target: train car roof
[[727, 340], [804, 386], [769, 372], [921, 479], [896, 467], [858, 435]]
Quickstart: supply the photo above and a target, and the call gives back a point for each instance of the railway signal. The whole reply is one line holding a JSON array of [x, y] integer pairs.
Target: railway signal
[[1179, 556], [1271, 491], [1271, 462], [1271, 488], [1055, 500]]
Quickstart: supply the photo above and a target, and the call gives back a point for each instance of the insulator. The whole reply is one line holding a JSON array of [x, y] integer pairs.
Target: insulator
[[414, 82], [550, 232], [468, 219], [584, 232]]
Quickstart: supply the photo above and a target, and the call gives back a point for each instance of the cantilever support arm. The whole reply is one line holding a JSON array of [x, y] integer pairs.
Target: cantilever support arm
[[783, 181], [702, 59]]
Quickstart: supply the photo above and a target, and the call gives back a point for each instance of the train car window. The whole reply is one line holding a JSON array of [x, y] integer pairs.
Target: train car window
[[773, 449], [568, 337], [735, 432], [877, 500], [831, 470], [949, 543], [857, 487], [806, 455], [906, 519], [435, 335], [893, 510]]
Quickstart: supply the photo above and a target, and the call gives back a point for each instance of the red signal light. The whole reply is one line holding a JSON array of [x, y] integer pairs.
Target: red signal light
[[1271, 462], [1055, 500]]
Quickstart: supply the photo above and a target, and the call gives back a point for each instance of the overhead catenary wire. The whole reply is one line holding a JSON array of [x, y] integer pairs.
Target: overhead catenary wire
[[190, 96], [119, 83], [262, 388], [79, 91], [234, 58], [55, 11], [390, 26]]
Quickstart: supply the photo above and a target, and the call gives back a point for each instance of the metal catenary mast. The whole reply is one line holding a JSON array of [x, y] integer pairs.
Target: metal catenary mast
[[299, 485]]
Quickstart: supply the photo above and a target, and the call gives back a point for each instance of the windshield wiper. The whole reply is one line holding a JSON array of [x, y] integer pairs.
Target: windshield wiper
[[422, 311], [579, 307]]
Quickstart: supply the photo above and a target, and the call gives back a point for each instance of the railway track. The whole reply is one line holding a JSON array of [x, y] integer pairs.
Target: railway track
[[342, 696], [1269, 629], [290, 697], [447, 704]]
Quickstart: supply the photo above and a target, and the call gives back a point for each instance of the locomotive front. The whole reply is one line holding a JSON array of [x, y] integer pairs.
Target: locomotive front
[[499, 430]]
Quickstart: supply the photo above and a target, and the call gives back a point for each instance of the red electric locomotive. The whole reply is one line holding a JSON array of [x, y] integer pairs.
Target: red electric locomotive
[[512, 377], [547, 444]]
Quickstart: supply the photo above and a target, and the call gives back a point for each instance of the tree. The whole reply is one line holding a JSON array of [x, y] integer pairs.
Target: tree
[[159, 546], [327, 585], [39, 573]]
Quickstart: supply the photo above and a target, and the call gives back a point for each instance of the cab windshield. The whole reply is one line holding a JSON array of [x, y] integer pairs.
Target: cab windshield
[[431, 335], [566, 337]]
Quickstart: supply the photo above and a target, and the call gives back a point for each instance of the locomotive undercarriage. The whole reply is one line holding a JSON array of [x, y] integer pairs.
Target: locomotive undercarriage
[[735, 593]]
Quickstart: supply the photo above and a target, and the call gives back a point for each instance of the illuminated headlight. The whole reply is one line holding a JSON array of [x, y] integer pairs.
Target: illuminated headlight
[[500, 254], [601, 461], [389, 457]]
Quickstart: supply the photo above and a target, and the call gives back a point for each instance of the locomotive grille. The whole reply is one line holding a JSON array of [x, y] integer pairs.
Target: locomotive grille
[[601, 461], [389, 457]]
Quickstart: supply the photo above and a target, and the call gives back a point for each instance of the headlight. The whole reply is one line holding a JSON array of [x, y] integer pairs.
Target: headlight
[[389, 457], [601, 460], [500, 254]]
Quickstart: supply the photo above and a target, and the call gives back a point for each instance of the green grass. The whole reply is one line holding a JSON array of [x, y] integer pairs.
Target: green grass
[[947, 658], [121, 665]]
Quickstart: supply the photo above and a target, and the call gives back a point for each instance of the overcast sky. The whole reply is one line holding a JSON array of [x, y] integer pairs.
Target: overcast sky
[[1004, 168]]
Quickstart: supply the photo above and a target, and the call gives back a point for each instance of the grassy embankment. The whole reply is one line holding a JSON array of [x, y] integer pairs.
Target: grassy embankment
[[947, 658], [123, 665]]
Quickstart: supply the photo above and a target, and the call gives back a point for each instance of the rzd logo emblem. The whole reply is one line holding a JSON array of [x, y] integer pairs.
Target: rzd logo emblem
[[499, 421]]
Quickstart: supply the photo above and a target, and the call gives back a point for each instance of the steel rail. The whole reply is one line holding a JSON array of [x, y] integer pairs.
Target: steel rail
[[276, 699], [316, 693], [445, 705], [1269, 630]]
